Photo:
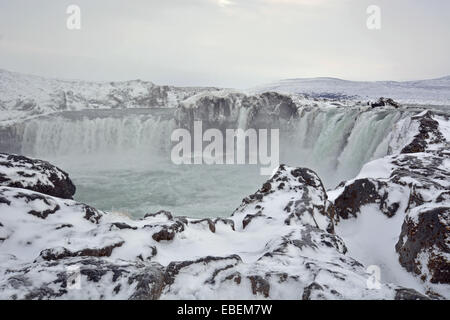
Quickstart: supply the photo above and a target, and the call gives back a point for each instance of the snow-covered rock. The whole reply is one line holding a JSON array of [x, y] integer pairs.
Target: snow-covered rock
[[424, 243], [291, 196], [37, 175], [429, 134], [412, 190], [385, 102]]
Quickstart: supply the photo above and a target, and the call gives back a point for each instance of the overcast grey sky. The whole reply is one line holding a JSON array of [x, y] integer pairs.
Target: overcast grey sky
[[232, 43]]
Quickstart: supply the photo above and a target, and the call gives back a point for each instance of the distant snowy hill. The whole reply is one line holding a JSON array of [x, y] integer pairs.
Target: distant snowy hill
[[27, 95], [433, 91]]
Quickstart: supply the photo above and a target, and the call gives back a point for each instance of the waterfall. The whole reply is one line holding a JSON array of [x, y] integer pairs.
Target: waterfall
[[122, 162], [337, 142], [243, 118], [60, 136]]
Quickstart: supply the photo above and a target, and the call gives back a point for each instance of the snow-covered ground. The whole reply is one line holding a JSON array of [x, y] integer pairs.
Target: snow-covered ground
[[24, 96], [431, 92]]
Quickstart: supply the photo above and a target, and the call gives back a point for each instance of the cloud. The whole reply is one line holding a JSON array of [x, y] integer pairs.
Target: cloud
[[232, 43], [224, 3], [299, 2]]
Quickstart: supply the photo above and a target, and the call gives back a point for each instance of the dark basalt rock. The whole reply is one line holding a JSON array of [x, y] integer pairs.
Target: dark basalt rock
[[29, 175], [260, 286], [122, 226], [383, 102], [2, 234], [315, 291], [174, 268], [68, 225], [419, 185], [63, 253], [214, 111], [45, 213], [265, 110], [44, 292], [165, 213], [305, 240], [361, 192], [409, 294], [248, 218], [428, 134], [150, 283], [228, 222], [147, 281], [3, 200], [168, 232], [280, 105], [430, 234], [153, 251], [53, 207], [310, 289], [209, 222], [92, 214], [304, 184], [308, 177]]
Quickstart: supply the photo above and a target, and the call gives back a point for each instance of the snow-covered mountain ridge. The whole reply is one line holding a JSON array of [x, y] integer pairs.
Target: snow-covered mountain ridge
[[25, 96], [22, 96], [432, 91]]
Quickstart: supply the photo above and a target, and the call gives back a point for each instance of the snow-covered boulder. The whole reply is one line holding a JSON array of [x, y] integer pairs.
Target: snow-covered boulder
[[37, 175], [428, 133], [417, 187], [361, 192], [383, 102], [424, 243], [412, 189], [290, 196]]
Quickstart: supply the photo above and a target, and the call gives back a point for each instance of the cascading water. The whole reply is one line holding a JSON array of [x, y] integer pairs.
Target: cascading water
[[337, 142], [60, 136], [123, 163]]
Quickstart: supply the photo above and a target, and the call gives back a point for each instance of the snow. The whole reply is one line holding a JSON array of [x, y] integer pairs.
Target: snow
[[426, 92], [444, 126], [371, 239], [27, 96], [204, 264], [380, 168]]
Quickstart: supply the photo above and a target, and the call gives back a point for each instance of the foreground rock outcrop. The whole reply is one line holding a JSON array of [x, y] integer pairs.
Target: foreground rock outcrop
[[278, 244], [37, 175], [415, 185]]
